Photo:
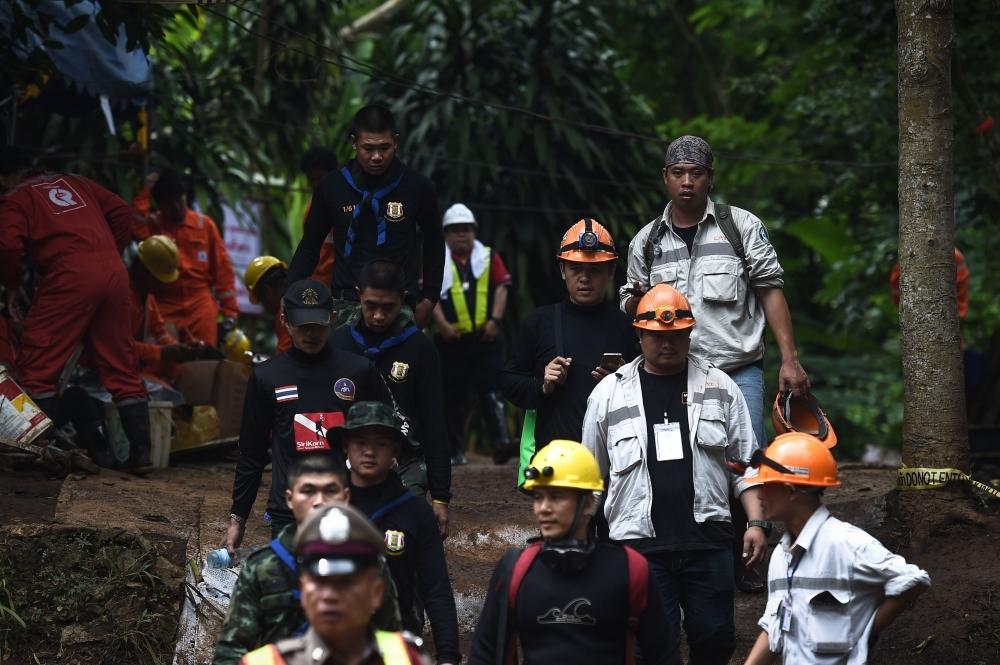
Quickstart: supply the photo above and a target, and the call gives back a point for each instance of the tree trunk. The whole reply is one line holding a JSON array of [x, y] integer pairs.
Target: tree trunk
[[934, 425]]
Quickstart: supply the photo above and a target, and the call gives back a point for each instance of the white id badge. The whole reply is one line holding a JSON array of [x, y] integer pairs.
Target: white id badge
[[786, 616], [668, 442]]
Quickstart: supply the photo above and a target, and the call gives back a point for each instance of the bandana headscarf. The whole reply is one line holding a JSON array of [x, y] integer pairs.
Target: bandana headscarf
[[689, 150]]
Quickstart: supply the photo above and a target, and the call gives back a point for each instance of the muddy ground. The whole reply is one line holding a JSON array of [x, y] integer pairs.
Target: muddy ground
[[180, 513]]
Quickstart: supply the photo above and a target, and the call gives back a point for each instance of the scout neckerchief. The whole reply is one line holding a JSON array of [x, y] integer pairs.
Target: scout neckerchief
[[373, 352], [376, 208]]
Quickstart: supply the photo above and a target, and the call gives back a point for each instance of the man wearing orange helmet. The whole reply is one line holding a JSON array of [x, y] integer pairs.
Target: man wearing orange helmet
[[563, 350], [833, 588], [661, 428]]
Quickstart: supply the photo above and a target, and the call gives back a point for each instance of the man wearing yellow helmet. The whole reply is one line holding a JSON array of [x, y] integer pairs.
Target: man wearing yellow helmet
[[832, 587], [159, 353], [566, 598], [266, 279]]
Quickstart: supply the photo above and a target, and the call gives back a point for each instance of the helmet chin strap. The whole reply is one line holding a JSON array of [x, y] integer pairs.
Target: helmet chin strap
[[568, 554]]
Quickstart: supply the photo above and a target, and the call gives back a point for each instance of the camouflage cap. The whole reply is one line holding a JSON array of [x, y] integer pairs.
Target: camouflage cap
[[374, 414], [337, 540]]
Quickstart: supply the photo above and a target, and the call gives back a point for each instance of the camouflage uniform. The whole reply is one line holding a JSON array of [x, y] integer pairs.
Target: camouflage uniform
[[264, 608]]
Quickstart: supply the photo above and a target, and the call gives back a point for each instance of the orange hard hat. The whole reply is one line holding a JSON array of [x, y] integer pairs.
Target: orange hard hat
[[797, 459], [802, 414], [587, 242], [663, 308]]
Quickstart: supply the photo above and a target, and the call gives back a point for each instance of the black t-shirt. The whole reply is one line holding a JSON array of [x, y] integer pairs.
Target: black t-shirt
[[673, 481], [687, 235]]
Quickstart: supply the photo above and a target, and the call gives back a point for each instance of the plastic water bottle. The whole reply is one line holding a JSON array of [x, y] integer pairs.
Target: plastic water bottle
[[220, 558]]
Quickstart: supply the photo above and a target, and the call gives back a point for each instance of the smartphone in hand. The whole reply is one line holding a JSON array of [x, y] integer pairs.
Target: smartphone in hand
[[612, 361]]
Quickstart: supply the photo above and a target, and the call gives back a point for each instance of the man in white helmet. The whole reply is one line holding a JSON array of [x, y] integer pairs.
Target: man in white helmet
[[467, 317]]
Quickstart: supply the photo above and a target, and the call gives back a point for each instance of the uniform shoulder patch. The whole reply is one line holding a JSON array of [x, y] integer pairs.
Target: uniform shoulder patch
[[762, 233], [344, 389]]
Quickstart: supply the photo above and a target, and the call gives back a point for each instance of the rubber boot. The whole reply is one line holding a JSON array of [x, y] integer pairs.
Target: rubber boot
[[87, 416], [496, 423], [135, 422]]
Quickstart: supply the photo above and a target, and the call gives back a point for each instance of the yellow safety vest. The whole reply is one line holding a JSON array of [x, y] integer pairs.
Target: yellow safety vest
[[391, 647], [464, 324]]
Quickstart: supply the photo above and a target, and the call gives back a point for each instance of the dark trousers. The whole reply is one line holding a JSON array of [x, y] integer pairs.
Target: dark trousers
[[471, 368], [700, 583], [279, 522]]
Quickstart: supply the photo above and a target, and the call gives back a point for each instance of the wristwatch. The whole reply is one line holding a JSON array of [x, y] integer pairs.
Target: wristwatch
[[763, 524]]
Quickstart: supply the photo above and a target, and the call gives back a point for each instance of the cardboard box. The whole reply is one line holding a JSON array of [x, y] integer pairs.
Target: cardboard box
[[220, 384]]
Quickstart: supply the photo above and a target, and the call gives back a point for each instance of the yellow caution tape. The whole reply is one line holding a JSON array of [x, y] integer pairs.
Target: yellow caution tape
[[916, 478]]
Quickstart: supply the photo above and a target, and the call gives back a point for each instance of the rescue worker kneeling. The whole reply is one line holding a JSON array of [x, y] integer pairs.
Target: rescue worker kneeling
[[337, 551], [585, 602]]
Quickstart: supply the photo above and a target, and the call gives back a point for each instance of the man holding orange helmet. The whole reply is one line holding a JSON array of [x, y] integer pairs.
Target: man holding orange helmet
[[833, 588], [563, 350], [662, 428]]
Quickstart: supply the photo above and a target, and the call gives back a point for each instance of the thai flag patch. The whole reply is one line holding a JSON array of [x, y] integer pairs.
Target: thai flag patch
[[286, 393]]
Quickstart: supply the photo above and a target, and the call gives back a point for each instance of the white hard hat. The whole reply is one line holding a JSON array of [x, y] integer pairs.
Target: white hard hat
[[458, 213]]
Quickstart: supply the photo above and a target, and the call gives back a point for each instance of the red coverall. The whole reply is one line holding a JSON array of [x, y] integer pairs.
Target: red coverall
[[72, 231], [205, 267], [323, 272]]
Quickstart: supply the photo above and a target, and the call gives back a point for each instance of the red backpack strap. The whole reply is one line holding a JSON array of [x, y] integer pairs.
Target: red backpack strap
[[638, 598], [521, 567]]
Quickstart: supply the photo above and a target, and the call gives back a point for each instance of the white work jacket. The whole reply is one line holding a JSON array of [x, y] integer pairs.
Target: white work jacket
[[615, 432], [731, 322], [840, 580]]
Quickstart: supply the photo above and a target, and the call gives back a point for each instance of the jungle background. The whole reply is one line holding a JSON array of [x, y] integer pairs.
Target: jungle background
[[538, 113]]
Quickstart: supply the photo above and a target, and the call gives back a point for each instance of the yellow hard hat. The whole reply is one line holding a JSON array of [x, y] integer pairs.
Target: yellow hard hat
[[236, 345], [159, 255], [563, 463], [257, 269]]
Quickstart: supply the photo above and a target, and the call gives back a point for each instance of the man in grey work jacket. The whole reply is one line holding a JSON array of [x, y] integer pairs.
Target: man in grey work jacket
[[687, 248], [662, 428]]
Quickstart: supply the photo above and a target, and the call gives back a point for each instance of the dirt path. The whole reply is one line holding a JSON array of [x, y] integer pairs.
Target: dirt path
[[958, 620]]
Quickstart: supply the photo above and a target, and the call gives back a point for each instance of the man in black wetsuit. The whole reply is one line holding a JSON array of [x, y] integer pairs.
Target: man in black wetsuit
[[374, 207], [410, 364], [564, 597], [292, 402], [563, 350], [373, 437]]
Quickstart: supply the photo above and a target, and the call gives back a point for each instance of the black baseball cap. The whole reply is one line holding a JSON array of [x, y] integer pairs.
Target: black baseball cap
[[308, 301]]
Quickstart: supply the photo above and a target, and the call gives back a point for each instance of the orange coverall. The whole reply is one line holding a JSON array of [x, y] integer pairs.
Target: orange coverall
[[150, 332], [206, 284]]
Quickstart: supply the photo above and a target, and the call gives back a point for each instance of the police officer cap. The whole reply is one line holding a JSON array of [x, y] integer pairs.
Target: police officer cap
[[374, 414], [308, 301], [337, 540]]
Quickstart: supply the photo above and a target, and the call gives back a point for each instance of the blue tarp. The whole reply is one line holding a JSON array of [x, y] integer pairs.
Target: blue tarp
[[88, 61]]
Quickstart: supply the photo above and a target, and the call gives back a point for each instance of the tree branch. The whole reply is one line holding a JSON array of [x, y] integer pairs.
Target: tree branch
[[372, 21]]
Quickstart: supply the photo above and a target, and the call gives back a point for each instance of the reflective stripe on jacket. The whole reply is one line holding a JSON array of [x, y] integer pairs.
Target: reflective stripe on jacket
[[614, 430], [714, 282]]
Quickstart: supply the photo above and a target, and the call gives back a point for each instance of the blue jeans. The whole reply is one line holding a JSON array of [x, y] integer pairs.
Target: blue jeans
[[750, 379], [701, 583]]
